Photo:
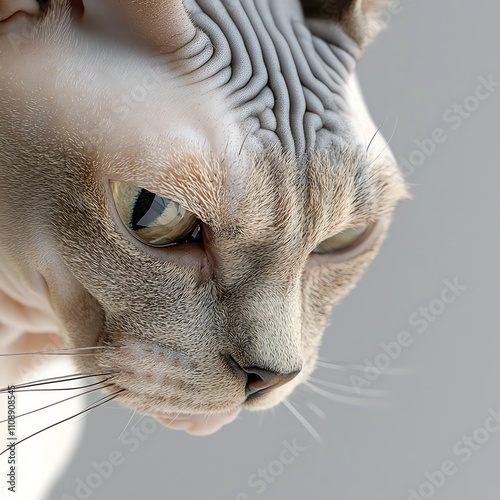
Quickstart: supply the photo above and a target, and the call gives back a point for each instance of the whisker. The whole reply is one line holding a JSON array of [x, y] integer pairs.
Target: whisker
[[388, 142], [95, 405], [302, 420], [65, 388], [376, 132], [128, 423], [319, 412], [374, 393], [339, 366], [343, 367], [56, 380], [345, 399], [58, 402], [315, 409], [165, 426], [170, 421], [65, 352], [88, 406], [137, 423], [243, 143]]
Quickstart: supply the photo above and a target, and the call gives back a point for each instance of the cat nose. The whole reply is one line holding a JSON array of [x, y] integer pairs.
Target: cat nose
[[260, 381]]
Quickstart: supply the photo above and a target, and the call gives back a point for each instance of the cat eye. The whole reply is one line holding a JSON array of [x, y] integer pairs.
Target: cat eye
[[344, 240], [153, 219]]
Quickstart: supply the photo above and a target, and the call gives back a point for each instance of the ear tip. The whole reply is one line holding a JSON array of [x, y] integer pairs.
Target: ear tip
[[360, 19]]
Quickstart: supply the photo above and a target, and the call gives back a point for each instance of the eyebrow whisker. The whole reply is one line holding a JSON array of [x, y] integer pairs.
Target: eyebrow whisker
[[388, 142], [376, 133]]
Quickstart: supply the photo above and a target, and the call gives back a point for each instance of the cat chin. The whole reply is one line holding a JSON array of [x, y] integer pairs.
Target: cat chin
[[198, 425]]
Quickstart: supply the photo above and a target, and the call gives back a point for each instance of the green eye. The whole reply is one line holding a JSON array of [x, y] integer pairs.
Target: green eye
[[344, 240], [154, 220]]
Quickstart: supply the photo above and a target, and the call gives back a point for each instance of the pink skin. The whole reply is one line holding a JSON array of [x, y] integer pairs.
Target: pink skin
[[198, 425]]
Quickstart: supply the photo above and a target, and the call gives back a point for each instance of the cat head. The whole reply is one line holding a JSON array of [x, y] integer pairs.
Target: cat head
[[197, 186]]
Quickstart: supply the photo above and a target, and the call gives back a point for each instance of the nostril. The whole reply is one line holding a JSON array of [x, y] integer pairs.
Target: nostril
[[254, 381], [259, 381]]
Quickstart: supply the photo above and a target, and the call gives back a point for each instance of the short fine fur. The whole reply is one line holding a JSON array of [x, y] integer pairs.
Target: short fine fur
[[266, 192]]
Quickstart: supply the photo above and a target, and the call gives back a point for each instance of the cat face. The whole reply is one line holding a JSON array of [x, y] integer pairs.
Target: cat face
[[199, 196]]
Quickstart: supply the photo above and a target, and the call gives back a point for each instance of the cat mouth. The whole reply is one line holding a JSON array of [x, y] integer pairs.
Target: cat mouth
[[197, 424]]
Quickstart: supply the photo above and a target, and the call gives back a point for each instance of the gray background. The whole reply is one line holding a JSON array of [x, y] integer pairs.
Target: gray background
[[429, 60]]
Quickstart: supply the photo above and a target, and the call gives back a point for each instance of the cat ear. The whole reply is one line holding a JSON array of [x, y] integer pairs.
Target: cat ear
[[9, 8], [360, 19], [165, 24]]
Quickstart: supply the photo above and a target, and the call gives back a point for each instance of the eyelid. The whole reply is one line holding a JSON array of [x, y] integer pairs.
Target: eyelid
[[374, 232]]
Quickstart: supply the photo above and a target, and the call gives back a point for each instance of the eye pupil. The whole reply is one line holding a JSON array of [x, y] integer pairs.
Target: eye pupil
[[152, 219], [145, 200]]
